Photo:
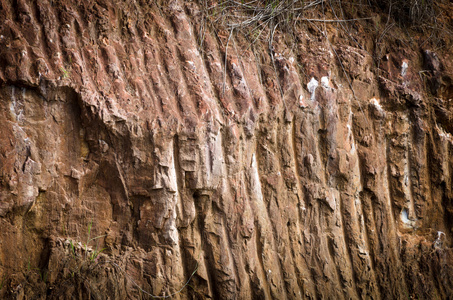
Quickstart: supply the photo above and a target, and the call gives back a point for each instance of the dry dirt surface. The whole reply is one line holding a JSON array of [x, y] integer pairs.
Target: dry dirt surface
[[145, 149]]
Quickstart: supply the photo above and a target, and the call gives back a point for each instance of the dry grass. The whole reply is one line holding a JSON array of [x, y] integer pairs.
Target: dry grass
[[412, 13]]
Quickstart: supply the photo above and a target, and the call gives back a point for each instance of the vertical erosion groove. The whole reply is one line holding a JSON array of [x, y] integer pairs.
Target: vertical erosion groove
[[164, 77], [151, 88], [368, 280], [196, 59], [179, 207], [389, 204], [270, 254], [50, 26], [394, 257], [286, 199], [370, 229], [259, 255], [234, 239], [296, 232], [210, 58], [257, 205], [41, 32], [347, 244]]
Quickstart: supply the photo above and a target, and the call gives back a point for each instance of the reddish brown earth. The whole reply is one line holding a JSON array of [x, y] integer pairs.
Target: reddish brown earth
[[119, 123]]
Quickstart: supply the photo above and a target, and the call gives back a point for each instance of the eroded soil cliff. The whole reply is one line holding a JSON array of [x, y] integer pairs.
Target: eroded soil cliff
[[144, 146]]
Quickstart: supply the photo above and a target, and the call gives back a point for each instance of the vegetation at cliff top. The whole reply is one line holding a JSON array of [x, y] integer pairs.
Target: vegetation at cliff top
[[408, 12], [416, 14]]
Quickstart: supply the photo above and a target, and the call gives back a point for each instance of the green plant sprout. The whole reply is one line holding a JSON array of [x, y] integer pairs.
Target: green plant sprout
[[72, 248], [42, 274], [96, 252], [65, 73]]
